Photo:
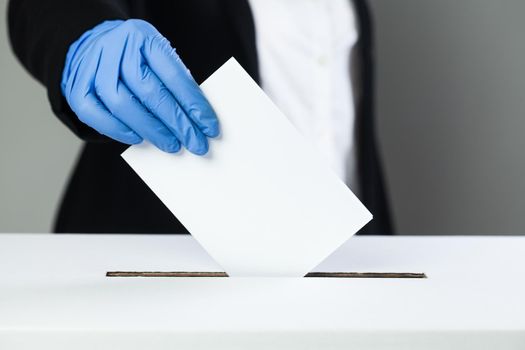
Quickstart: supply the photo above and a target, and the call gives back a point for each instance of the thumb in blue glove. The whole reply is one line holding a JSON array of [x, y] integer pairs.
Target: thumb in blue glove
[[125, 80]]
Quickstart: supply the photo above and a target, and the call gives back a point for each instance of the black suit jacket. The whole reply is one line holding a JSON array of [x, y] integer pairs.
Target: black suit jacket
[[104, 195]]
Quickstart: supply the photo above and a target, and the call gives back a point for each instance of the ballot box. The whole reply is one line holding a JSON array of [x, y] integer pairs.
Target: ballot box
[[54, 294]]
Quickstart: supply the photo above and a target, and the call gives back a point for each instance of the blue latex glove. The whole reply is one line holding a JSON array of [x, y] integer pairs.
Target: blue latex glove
[[124, 79]]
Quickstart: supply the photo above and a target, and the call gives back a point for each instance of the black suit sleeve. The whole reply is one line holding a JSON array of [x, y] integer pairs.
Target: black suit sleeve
[[41, 32]]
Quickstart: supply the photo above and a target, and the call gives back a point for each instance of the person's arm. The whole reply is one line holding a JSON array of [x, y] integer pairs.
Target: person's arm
[[121, 78], [41, 32]]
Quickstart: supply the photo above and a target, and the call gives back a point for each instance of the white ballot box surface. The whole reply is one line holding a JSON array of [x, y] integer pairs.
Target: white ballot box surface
[[54, 294]]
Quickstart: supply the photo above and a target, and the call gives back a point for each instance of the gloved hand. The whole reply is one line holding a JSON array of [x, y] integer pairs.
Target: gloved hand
[[124, 79]]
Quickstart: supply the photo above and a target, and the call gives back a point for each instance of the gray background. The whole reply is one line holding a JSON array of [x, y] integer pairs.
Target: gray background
[[450, 101]]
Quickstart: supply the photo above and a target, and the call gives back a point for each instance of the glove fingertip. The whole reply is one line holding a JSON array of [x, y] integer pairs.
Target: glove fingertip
[[199, 149], [209, 125], [211, 132], [173, 147], [136, 139], [129, 138]]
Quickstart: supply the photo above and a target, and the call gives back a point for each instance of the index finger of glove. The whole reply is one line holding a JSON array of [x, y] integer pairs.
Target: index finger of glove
[[167, 65]]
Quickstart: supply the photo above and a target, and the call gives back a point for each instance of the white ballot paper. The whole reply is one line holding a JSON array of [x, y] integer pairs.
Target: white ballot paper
[[262, 202]]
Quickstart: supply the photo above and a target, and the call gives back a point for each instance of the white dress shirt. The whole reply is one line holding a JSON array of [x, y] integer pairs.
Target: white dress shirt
[[304, 51]]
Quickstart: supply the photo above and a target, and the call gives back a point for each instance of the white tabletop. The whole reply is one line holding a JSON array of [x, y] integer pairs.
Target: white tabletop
[[54, 295]]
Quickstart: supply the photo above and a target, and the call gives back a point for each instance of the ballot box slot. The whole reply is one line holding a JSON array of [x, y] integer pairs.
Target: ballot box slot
[[224, 274]]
